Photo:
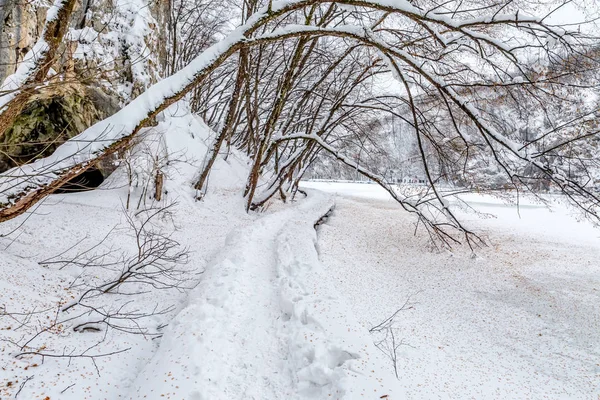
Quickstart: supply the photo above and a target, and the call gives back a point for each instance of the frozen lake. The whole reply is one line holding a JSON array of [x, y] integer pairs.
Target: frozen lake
[[518, 319]]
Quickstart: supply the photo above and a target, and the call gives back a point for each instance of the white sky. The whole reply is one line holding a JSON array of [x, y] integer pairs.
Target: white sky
[[581, 13]]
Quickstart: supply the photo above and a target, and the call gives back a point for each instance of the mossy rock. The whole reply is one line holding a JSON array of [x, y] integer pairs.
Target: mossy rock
[[48, 121]]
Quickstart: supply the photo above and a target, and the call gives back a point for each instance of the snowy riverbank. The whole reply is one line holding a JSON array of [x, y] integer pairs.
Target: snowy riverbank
[[520, 319]]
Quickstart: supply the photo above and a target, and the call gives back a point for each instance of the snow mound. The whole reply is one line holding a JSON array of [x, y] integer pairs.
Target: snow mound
[[178, 146]]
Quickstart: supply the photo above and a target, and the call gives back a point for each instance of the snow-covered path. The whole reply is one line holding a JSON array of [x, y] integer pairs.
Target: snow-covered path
[[265, 323], [521, 320]]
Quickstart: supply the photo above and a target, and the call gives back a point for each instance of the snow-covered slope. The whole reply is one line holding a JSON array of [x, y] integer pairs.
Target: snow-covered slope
[[262, 321], [32, 279]]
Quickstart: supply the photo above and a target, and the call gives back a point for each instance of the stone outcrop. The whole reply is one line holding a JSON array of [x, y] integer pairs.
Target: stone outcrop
[[21, 24], [50, 119], [113, 51]]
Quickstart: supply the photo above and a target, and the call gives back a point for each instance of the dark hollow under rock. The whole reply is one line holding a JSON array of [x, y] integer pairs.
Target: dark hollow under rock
[[90, 179]]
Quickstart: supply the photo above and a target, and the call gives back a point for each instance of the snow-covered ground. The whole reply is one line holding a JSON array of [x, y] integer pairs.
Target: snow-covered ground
[[72, 223], [272, 308], [265, 323], [257, 317], [519, 319]]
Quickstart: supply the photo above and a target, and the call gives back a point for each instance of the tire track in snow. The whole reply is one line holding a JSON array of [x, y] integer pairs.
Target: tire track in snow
[[265, 323]]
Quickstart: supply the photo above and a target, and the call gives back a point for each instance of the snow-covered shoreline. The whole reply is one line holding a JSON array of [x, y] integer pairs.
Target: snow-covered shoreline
[[516, 320]]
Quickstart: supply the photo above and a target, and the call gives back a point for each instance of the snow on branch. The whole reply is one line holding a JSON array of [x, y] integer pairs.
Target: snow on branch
[[23, 186]]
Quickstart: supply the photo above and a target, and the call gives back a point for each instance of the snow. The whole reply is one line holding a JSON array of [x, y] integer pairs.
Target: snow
[[516, 320], [137, 17], [281, 310], [264, 323], [53, 11], [264, 320], [11, 85], [65, 220]]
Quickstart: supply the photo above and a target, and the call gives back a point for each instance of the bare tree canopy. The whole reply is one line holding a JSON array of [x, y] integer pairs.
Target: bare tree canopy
[[302, 77], [209, 199]]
